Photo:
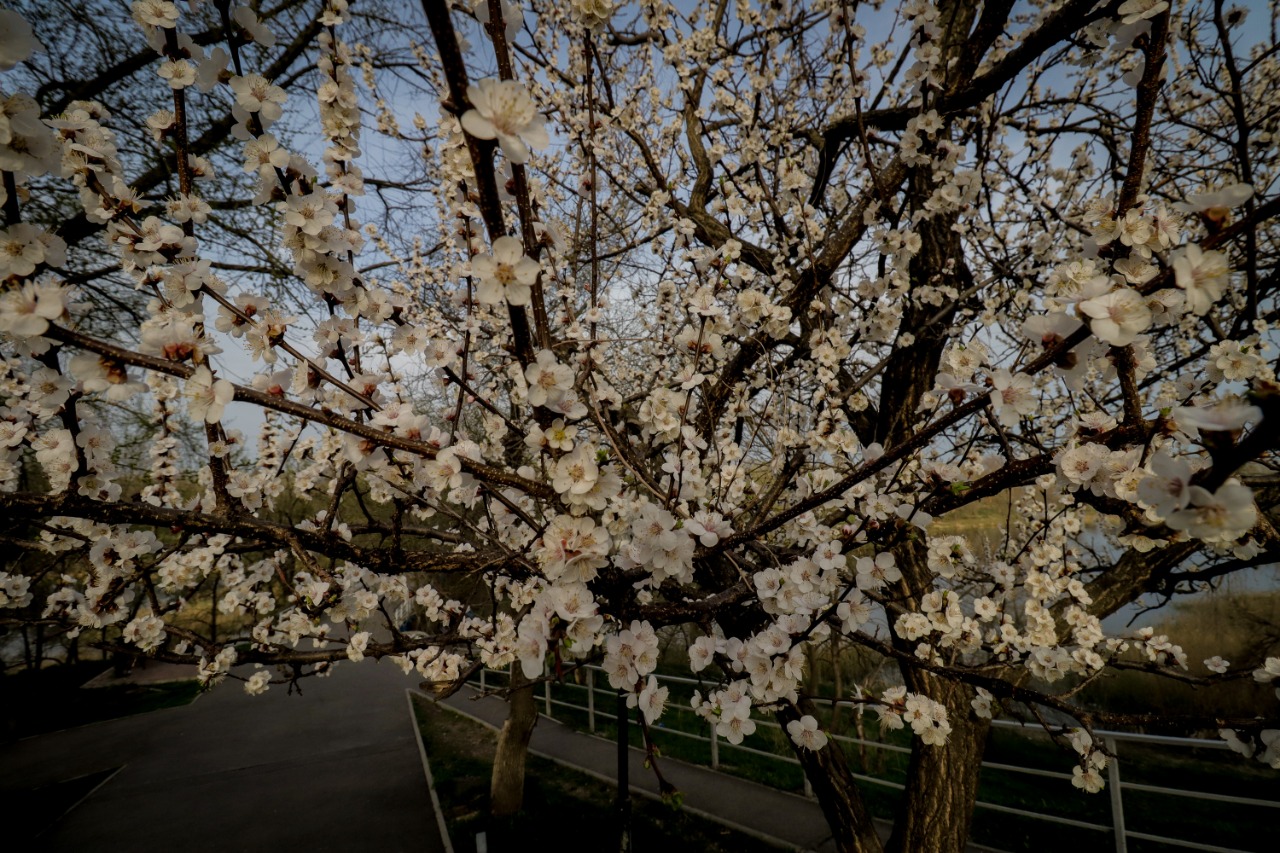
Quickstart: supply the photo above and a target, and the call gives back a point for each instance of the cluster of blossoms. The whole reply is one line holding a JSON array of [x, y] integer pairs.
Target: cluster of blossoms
[[1087, 775], [1119, 299], [14, 590], [1123, 294], [754, 441], [1265, 745], [729, 710], [927, 718]]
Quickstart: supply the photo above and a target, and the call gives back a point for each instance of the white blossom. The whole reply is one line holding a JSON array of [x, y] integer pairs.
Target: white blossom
[[503, 110], [506, 273], [592, 14], [1203, 276], [805, 733], [18, 43], [1226, 514], [207, 397], [1117, 317]]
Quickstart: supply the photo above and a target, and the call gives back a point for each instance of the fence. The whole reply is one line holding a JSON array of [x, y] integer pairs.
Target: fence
[[1115, 784]]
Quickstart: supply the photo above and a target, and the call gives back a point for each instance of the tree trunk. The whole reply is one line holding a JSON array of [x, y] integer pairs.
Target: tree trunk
[[837, 791], [506, 787], [942, 781]]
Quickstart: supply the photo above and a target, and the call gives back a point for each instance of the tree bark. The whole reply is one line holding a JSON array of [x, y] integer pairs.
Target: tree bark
[[506, 786], [942, 781], [837, 791]]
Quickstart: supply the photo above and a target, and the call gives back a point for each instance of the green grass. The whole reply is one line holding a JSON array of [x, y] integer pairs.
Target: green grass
[[35, 702], [982, 521], [679, 716], [557, 801], [1223, 824]]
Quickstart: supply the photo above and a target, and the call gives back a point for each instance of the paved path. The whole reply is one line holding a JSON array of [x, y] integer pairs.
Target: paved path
[[785, 819], [334, 769], [788, 820]]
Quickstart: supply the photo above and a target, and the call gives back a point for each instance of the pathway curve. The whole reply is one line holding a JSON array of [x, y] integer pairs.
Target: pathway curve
[[336, 768], [785, 819], [788, 820]]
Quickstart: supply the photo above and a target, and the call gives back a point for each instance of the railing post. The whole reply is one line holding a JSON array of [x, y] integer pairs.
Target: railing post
[[483, 669], [547, 695], [623, 803], [808, 789], [1117, 799], [591, 700], [715, 748]]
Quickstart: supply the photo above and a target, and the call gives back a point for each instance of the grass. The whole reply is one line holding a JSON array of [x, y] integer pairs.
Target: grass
[[982, 521], [47, 700], [679, 717], [560, 804], [1223, 824]]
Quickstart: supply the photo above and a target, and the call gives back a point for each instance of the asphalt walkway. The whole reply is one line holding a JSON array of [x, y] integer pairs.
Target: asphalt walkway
[[784, 819], [335, 769]]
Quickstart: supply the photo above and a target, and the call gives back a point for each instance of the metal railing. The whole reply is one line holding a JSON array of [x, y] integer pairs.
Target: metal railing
[[1116, 785]]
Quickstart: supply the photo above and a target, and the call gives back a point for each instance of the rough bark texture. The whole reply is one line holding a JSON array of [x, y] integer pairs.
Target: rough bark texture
[[828, 771], [942, 781], [506, 788], [837, 791], [912, 370]]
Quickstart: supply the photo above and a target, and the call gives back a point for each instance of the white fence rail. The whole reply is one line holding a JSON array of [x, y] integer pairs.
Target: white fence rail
[[1116, 785]]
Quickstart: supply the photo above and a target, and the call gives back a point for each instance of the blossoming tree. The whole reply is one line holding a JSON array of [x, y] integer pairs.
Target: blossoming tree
[[728, 305]]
